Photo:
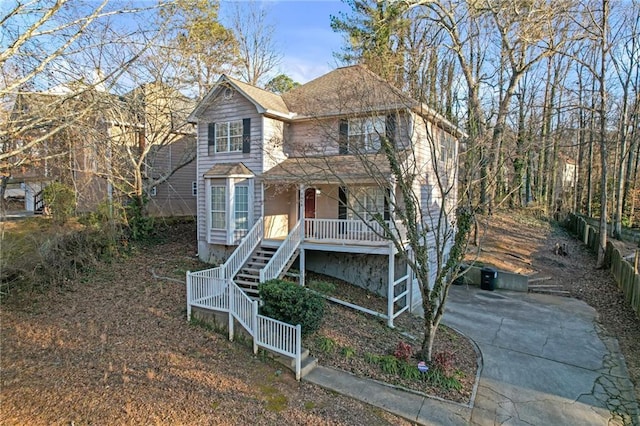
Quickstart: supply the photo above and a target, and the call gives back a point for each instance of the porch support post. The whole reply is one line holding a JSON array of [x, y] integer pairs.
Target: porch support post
[[302, 266], [301, 205], [410, 281], [390, 286], [262, 199], [392, 206]]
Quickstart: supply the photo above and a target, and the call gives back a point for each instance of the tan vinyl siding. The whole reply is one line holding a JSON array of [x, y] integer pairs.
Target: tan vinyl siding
[[277, 210], [327, 202], [312, 138]]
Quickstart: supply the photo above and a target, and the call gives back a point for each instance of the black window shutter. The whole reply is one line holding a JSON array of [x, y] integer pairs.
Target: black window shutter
[[342, 203], [211, 138], [390, 128], [387, 198], [246, 135], [343, 137]]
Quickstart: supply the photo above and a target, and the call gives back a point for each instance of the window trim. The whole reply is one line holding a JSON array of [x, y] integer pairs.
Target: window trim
[[224, 207], [227, 137], [236, 211], [358, 202], [366, 127]]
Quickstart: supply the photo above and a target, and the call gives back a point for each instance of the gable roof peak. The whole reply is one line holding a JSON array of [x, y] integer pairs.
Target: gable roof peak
[[265, 102]]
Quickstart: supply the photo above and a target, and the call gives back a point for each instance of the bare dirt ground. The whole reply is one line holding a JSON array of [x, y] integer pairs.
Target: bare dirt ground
[[515, 241], [115, 348]]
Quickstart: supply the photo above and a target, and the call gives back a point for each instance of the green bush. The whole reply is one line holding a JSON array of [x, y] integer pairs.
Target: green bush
[[293, 304], [140, 225], [60, 199]]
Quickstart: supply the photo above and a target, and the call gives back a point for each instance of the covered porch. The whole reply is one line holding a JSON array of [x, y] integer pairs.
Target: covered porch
[[345, 225]]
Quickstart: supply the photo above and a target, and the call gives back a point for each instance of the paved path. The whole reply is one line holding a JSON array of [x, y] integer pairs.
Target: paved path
[[545, 362]]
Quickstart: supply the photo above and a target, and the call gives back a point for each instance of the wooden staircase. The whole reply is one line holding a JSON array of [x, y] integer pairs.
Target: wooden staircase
[[248, 278]]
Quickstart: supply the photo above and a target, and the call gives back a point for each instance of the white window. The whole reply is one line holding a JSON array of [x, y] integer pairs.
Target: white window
[[365, 134], [218, 202], [194, 188], [365, 203], [154, 191], [241, 207], [229, 136]]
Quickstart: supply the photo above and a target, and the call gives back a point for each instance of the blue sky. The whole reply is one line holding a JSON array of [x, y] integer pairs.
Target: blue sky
[[304, 36]]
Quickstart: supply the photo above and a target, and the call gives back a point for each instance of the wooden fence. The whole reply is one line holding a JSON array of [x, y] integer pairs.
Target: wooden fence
[[625, 274]]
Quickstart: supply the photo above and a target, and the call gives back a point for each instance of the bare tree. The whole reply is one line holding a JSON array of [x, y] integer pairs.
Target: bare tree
[[395, 161], [196, 45], [257, 52], [56, 48]]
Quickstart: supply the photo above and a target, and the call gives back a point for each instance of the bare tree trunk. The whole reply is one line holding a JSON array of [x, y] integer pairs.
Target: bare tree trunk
[[602, 246], [632, 164], [590, 165], [579, 206]]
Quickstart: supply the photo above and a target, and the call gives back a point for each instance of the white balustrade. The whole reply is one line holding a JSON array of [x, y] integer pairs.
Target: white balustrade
[[244, 250], [340, 230], [280, 258]]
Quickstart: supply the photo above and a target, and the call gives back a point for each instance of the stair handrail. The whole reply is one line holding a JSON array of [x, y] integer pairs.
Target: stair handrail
[[242, 253], [280, 258]]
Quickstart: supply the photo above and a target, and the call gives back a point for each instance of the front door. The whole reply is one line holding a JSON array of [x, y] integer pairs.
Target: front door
[[310, 203]]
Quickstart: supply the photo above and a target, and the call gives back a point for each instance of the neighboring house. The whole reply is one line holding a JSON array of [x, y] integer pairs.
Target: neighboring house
[[66, 154], [103, 136], [150, 127], [302, 173]]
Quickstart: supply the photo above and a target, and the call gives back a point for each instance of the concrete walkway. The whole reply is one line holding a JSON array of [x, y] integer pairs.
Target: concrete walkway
[[545, 362]]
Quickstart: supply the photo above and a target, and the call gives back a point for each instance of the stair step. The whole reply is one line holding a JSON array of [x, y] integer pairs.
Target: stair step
[[307, 363], [550, 291], [247, 276], [247, 285], [535, 280], [307, 366]]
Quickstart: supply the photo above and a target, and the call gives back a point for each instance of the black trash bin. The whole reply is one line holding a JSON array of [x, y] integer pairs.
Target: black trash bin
[[488, 279]]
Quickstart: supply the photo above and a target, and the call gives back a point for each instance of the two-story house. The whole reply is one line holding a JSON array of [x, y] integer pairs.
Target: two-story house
[[106, 146], [303, 176]]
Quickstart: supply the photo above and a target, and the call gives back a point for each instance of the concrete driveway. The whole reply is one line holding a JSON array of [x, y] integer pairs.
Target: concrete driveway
[[546, 361]]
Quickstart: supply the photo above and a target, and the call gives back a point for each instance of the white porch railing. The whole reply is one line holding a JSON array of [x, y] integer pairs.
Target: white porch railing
[[280, 258], [203, 286], [225, 296], [244, 250], [347, 230]]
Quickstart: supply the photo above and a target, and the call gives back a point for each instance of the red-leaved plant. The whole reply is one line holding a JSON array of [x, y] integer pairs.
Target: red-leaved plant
[[403, 351], [444, 361]]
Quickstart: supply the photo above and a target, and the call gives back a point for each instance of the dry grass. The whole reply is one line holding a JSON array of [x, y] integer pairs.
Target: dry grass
[[113, 347]]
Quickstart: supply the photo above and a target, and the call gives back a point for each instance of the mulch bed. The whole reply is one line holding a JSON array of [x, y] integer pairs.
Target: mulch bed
[[359, 333]]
